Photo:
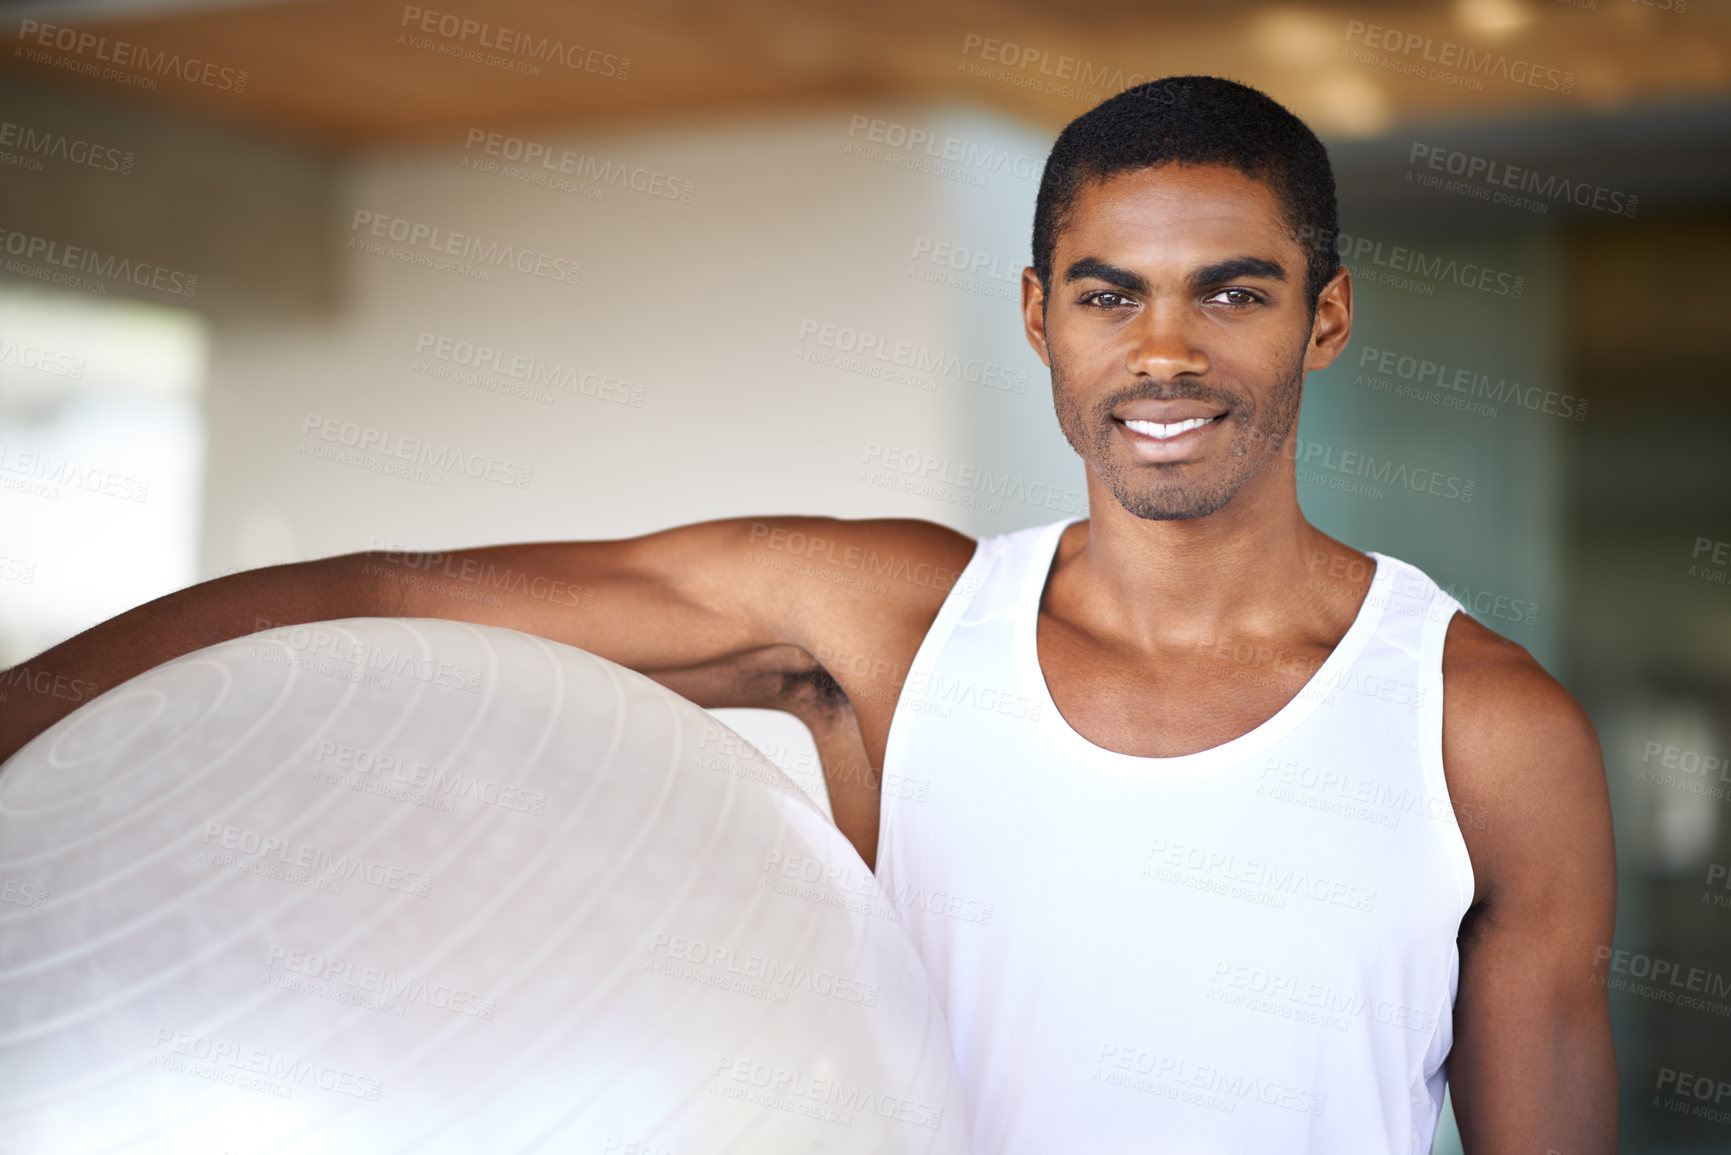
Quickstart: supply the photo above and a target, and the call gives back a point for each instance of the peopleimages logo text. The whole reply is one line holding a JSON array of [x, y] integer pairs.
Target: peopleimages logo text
[[1441, 375], [1104, 77], [59, 146], [515, 42], [420, 450], [83, 43], [466, 246], [1494, 174], [1391, 258], [948, 148], [918, 358], [110, 267], [1448, 54]]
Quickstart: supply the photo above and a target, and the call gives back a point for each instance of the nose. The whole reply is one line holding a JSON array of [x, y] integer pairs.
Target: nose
[[1163, 345]]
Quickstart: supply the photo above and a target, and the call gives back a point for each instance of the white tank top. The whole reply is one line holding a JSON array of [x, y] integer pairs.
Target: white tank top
[[1246, 949]]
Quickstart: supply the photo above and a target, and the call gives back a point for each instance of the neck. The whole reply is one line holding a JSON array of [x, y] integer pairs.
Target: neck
[[1247, 569]]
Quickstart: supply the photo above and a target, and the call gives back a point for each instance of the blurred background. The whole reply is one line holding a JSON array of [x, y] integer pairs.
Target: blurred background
[[611, 268]]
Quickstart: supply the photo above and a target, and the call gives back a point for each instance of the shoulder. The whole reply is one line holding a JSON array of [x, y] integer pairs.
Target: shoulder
[[812, 547], [833, 579], [1505, 699], [858, 596], [1521, 758], [927, 540]]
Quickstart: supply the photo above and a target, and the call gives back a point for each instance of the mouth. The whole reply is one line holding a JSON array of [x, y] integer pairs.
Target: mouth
[[1179, 439], [1168, 430]]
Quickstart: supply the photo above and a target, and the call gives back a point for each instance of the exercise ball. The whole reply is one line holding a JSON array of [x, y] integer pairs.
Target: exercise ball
[[387, 884]]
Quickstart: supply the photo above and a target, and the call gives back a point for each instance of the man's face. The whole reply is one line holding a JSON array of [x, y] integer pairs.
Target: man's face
[[1178, 334]]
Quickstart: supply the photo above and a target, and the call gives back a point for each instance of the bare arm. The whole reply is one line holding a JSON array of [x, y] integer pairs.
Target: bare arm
[[657, 603], [788, 679], [1532, 1069]]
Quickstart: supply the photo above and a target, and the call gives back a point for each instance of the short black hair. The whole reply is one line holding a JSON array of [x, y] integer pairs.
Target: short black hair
[[1196, 120]]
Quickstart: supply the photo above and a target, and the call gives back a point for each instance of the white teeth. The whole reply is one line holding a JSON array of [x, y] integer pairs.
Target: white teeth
[[1156, 430]]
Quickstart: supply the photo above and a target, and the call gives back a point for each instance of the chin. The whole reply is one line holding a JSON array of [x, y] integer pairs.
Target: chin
[[1167, 501], [1173, 502], [1171, 511]]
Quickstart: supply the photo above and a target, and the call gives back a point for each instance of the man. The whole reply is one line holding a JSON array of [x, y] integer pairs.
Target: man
[[1271, 837]]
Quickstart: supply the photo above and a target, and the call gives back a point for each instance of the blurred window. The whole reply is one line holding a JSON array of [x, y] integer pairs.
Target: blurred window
[[101, 459]]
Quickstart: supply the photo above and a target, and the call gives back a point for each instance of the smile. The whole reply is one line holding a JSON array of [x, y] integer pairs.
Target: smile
[[1165, 432]]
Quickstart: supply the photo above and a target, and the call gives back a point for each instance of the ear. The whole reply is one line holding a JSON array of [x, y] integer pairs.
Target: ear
[[1034, 314], [1332, 326]]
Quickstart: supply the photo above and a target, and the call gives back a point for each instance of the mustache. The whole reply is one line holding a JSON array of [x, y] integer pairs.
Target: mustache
[[1183, 390]]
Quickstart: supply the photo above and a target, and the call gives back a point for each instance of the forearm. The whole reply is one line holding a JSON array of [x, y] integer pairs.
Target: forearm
[[41, 691], [665, 601]]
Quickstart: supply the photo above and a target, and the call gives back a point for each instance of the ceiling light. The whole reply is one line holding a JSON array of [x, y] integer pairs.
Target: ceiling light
[[1350, 104], [1493, 17], [1293, 36]]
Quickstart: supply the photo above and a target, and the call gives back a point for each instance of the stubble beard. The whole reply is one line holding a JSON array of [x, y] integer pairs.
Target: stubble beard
[[1176, 492]]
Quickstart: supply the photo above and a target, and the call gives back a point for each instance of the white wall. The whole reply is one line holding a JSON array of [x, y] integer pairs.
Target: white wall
[[698, 308]]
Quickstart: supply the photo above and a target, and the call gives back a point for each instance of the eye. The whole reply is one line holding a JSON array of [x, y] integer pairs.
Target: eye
[[1105, 299], [1236, 297]]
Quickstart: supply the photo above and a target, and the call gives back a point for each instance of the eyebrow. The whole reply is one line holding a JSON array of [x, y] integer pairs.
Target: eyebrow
[[1227, 270], [1093, 267], [1232, 270]]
